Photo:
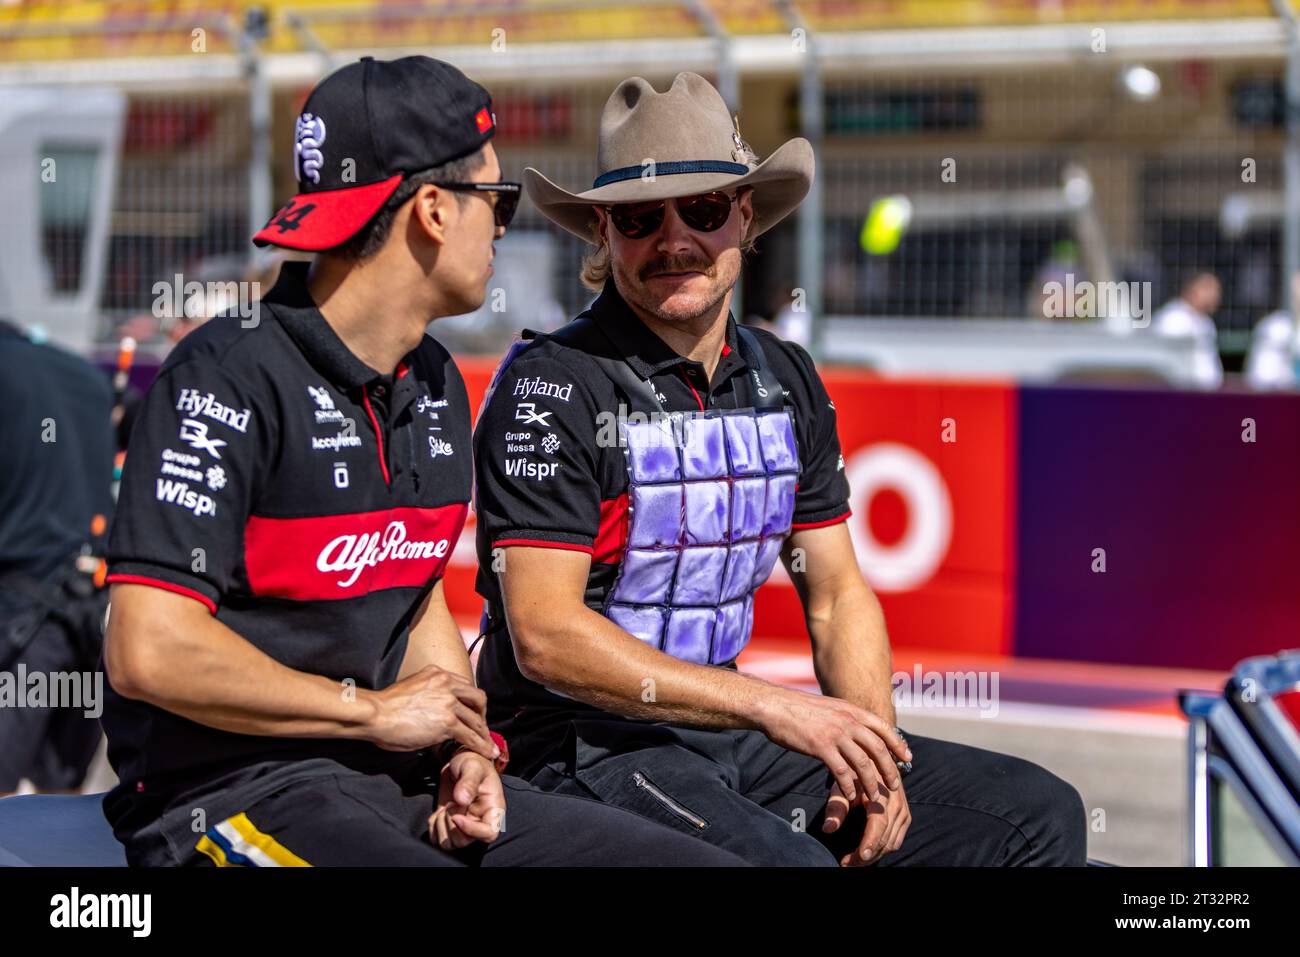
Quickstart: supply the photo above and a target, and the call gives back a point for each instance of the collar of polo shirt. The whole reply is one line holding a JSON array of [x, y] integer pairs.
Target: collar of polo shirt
[[314, 335]]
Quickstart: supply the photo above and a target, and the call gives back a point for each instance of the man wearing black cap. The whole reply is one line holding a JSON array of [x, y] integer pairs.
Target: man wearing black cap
[[288, 686]]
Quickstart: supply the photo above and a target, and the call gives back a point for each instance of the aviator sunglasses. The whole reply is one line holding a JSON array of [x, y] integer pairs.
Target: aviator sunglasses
[[505, 198], [703, 213]]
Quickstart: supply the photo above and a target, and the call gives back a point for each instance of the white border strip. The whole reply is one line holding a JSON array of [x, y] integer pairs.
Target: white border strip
[[1060, 717]]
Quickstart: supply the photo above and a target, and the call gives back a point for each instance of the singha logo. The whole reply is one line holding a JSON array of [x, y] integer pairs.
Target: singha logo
[[322, 397]]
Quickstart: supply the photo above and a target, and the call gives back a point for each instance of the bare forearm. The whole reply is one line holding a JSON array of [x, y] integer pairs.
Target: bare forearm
[[595, 661], [435, 639], [204, 671], [565, 646], [851, 650]]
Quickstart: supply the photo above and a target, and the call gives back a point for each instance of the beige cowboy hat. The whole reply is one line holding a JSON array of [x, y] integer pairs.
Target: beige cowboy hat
[[660, 145]]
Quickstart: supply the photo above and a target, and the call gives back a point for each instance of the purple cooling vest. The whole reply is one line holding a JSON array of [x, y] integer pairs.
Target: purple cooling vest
[[707, 516], [710, 501]]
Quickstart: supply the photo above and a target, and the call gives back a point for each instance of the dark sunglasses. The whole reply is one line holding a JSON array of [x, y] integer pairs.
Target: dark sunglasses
[[703, 213], [505, 197]]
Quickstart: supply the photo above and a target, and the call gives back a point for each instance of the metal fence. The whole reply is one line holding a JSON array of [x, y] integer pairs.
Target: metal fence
[[1016, 178], [1130, 163]]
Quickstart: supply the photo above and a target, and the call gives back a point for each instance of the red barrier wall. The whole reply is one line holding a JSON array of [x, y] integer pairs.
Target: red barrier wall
[[932, 466]]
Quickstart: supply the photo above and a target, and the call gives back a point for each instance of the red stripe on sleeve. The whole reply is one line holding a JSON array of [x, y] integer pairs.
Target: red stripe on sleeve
[[540, 543], [829, 521], [165, 586]]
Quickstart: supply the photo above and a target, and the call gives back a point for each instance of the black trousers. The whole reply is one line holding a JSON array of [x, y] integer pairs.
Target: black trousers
[[739, 791], [50, 746], [319, 812]]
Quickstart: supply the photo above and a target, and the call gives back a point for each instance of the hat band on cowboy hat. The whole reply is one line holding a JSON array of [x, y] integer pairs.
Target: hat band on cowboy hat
[[654, 146], [670, 169]]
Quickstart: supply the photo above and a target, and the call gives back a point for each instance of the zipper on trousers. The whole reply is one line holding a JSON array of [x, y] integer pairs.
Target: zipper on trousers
[[686, 814]]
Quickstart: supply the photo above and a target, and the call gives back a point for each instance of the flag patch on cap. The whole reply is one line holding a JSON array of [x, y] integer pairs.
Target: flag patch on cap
[[483, 120]]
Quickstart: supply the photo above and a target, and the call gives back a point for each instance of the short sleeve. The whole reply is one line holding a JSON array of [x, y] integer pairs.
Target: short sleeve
[[194, 464], [823, 495], [535, 453]]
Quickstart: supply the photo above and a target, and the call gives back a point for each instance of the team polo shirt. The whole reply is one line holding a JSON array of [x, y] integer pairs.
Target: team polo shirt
[[302, 498], [546, 478]]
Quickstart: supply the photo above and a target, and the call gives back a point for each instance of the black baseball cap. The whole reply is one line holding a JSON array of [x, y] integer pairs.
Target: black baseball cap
[[365, 127]]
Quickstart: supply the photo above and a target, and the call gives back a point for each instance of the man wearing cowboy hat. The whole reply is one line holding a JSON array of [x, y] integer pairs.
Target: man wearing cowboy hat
[[639, 472], [288, 685]]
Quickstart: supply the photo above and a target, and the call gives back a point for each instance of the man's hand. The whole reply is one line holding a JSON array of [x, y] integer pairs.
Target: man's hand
[[471, 803], [428, 708], [887, 819], [852, 742]]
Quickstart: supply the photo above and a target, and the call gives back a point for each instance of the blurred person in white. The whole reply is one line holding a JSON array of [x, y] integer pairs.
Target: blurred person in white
[[1271, 362], [1189, 314], [793, 321]]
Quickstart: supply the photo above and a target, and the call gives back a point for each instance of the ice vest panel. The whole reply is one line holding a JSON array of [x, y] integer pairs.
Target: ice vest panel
[[710, 501]]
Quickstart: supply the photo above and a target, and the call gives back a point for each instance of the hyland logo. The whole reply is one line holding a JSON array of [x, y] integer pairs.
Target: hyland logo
[[180, 493], [539, 386], [206, 405], [527, 413], [355, 553], [74, 909], [522, 468], [438, 447], [325, 410], [195, 434]]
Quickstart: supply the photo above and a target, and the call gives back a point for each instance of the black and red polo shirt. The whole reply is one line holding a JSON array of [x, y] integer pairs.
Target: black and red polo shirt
[[545, 478], [304, 499]]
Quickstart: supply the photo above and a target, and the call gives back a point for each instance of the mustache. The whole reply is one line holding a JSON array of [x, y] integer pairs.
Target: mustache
[[675, 264]]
